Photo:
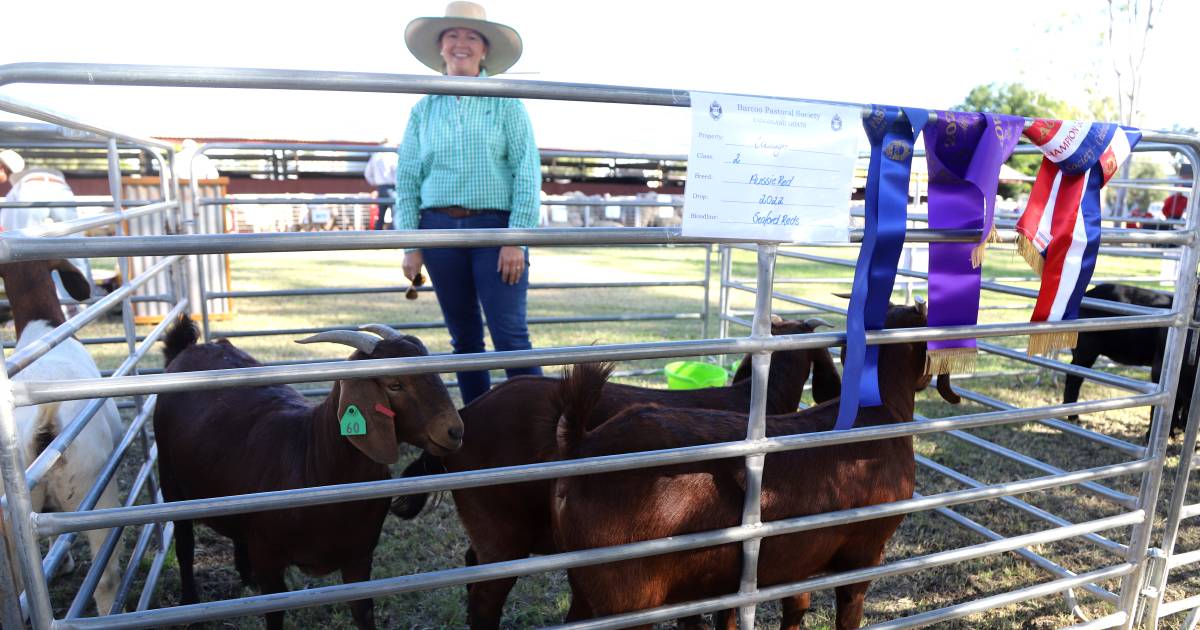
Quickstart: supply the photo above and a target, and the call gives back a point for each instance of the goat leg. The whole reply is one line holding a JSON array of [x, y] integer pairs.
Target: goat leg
[[363, 610], [794, 608], [241, 562], [1083, 357], [185, 547], [850, 604]]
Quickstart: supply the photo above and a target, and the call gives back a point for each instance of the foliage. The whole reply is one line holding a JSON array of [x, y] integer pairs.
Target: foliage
[[1018, 100]]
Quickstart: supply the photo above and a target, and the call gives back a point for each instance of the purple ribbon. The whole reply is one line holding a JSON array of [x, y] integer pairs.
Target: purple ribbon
[[964, 151]]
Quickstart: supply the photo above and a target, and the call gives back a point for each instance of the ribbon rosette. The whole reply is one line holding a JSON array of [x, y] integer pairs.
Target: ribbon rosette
[[1058, 234], [964, 151]]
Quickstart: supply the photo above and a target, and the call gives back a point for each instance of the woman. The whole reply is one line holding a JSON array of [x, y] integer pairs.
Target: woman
[[470, 162]]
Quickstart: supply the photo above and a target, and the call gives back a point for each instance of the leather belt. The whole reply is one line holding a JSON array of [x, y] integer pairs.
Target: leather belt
[[458, 212]]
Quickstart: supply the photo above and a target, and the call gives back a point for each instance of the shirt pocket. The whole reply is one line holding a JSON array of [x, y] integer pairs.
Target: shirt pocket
[[485, 134]]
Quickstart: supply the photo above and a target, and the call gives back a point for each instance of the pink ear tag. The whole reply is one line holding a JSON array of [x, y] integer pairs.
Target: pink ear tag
[[383, 409]]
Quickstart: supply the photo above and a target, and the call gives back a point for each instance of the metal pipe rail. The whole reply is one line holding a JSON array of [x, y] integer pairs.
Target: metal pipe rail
[[16, 248], [74, 226], [1033, 510], [536, 286], [55, 523], [900, 567], [37, 392], [453, 577], [316, 200], [17, 106], [1103, 305], [330, 81], [80, 203]]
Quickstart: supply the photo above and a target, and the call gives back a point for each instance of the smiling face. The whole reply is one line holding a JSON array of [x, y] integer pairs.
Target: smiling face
[[463, 51]]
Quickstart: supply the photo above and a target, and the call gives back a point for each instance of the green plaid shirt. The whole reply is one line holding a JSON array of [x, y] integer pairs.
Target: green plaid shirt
[[471, 151]]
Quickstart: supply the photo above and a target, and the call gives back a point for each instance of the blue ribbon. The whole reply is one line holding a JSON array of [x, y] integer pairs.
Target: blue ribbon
[[886, 210]]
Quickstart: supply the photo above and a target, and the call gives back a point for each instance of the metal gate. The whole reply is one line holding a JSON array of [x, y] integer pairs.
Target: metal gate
[[1126, 561]]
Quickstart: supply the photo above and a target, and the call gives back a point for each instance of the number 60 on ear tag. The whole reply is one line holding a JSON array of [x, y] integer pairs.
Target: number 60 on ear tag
[[353, 422]]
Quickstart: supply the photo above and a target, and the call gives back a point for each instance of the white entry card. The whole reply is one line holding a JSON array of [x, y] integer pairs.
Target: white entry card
[[770, 169]]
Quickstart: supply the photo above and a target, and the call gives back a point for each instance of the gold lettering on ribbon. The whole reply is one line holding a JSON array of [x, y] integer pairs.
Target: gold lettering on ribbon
[[898, 150], [877, 118], [950, 138]]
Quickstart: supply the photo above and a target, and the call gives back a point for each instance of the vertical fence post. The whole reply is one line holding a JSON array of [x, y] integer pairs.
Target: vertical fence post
[[1185, 294], [705, 311], [724, 261], [12, 608], [756, 429], [19, 511]]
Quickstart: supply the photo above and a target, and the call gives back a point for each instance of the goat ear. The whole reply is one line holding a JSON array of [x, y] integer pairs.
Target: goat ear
[[78, 286], [379, 442]]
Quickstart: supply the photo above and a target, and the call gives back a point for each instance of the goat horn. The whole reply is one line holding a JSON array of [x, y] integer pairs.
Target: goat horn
[[383, 330], [358, 340], [816, 322]]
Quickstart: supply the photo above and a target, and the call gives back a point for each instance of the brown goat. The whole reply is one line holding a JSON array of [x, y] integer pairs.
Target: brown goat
[[622, 507], [256, 439], [515, 423]]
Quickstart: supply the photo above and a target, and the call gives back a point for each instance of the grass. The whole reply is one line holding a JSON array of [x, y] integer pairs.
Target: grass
[[436, 540]]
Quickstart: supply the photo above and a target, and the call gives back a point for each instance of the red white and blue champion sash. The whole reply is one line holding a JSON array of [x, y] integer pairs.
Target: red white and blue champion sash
[[1059, 232]]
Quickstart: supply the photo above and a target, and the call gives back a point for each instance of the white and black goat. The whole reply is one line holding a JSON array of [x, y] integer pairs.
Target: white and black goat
[[36, 311]]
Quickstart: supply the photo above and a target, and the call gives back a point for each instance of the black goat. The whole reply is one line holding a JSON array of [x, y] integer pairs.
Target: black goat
[[1138, 346]]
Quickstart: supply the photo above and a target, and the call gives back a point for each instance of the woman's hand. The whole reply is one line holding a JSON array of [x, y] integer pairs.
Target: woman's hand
[[413, 261], [511, 264]]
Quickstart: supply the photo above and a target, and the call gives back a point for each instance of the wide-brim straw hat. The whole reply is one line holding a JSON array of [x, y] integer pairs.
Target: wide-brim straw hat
[[12, 160], [423, 37]]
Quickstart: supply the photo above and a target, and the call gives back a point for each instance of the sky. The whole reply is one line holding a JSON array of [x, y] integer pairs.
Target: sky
[[927, 54]]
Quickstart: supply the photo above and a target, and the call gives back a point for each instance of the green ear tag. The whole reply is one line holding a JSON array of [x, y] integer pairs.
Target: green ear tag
[[353, 422]]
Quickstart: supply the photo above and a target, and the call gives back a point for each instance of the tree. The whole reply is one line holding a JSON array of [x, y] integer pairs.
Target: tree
[[1018, 100], [1129, 25]]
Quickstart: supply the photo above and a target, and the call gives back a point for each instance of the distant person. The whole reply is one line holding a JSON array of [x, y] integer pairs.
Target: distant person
[[39, 185], [1140, 214], [189, 162], [11, 163], [1175, 205], [470, 162], [380, 173]]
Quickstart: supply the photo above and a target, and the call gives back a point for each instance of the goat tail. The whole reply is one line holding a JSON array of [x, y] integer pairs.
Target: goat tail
[[578, 396], [180, 337], [46, 428], [407, 507]]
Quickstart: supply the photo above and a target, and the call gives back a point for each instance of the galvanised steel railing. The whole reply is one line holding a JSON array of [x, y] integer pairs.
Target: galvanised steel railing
[[26, 529]]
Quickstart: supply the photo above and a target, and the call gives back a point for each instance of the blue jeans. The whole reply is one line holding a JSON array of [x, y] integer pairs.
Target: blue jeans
[[465, 278]]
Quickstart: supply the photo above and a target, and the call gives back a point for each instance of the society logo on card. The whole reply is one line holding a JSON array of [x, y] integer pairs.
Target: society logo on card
[[714, 110]]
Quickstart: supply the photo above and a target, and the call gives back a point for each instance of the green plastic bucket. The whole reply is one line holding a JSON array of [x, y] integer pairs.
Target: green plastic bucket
[[694, 375]]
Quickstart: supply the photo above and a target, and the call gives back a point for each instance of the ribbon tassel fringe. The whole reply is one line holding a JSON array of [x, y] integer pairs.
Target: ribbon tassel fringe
[[950, 361], [1046, 343], [1030, 253]]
